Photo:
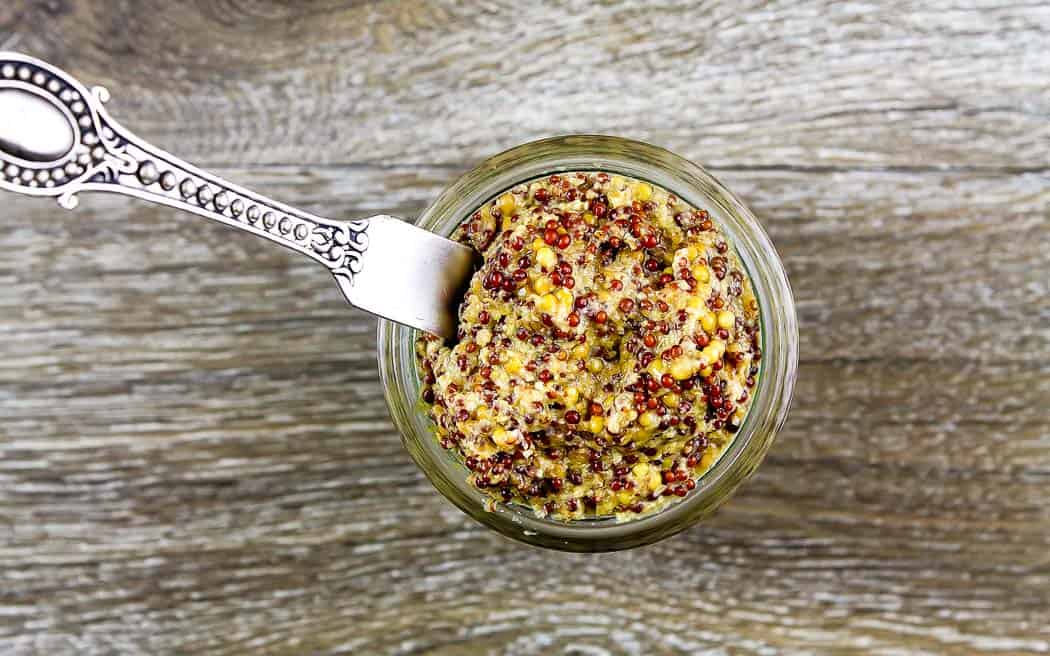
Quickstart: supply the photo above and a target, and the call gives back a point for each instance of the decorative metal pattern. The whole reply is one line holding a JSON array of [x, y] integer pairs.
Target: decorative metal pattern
[[106, 157]]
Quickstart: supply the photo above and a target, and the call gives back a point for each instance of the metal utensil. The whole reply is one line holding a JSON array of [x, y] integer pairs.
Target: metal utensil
[[57, 140]]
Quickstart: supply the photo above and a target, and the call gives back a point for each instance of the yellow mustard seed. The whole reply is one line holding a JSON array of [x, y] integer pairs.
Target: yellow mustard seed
[[709, 322], [513, 365], [507, 203], [572, 395], [655, 480], [546, 303], [649, 419], [682, 368], [503, 437], [564, 297], [595, 424], [546, 258]]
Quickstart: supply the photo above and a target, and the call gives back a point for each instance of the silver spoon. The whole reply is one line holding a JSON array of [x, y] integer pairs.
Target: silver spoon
[[57, 140]]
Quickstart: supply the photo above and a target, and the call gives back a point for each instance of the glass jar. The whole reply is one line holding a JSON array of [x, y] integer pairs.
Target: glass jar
[[779, 331]]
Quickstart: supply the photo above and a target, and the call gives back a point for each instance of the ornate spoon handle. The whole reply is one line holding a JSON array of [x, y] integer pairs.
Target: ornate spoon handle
[[57, 140]]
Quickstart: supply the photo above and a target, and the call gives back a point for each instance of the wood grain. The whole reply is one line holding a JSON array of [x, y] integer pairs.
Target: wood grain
[[195, 455]]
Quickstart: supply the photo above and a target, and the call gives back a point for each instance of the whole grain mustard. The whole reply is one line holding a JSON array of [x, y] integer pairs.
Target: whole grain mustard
[[607, 349]]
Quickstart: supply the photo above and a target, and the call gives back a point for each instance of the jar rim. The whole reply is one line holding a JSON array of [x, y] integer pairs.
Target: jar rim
[[779, 334]]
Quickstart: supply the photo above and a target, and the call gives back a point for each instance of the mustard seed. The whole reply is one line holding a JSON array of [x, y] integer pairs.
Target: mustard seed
[[601, 390]]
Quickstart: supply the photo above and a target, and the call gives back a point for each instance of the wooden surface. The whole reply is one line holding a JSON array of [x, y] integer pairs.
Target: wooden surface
[[195, 456]]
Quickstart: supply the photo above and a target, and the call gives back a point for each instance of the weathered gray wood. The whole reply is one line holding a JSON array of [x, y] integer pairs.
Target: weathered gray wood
[[908, 84], [195, 455]]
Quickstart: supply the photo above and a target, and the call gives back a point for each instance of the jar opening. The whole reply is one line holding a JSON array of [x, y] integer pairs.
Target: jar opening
[[778, 334]]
